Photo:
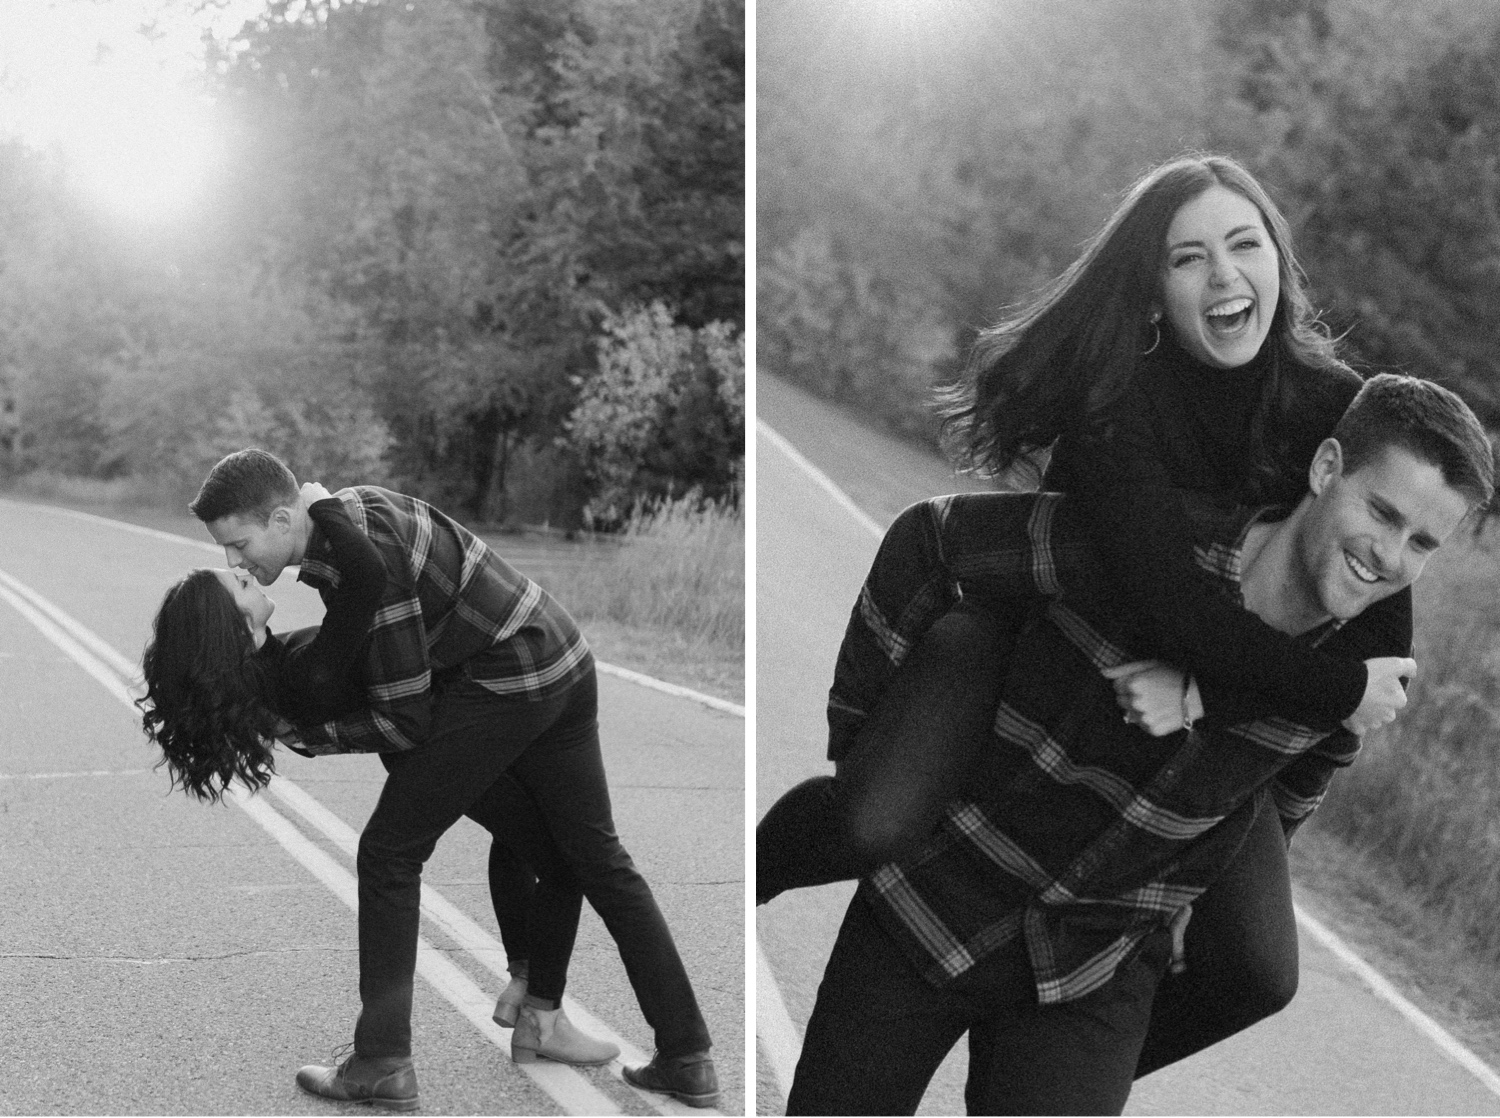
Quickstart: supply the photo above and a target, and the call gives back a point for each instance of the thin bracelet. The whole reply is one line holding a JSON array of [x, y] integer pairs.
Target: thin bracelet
[[1187, 718]]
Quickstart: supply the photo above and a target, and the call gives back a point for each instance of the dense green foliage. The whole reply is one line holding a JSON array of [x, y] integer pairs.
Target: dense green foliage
[[428, 215], [914, 179]]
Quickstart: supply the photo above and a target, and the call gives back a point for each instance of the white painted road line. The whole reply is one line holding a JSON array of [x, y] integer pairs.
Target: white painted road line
[[571, 1090], [768, 1022], [778, 1036], [670, 688], [1383, 989], [820, 479]]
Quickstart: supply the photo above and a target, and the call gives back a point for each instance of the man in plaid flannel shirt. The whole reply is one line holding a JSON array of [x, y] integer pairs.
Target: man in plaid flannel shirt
[[1036, 918], [472, 671]]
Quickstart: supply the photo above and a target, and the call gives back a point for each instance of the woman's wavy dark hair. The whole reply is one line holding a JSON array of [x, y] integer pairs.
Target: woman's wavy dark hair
[[202, 706], [1076, 346]]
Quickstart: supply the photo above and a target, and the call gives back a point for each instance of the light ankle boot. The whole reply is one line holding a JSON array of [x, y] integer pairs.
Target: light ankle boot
[[548, 1034], [509, 1003]]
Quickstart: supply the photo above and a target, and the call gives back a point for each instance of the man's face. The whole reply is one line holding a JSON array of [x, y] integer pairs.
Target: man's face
[[1369, 533], [262, 549]]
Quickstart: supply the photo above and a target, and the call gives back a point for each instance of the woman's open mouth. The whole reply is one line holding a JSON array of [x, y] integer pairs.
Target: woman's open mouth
[[1230, 317]]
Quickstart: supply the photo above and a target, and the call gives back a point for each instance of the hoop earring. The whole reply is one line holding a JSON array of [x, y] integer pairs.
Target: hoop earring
[[1157, 327]]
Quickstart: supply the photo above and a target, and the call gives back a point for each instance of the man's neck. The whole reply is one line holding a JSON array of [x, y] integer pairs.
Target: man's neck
[[1268, 582], [302, 529]]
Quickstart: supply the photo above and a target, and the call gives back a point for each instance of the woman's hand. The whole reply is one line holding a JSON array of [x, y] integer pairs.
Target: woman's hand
[[286, 733], [1150, 694], [1384, 694], [313, 491], [1179, 939]]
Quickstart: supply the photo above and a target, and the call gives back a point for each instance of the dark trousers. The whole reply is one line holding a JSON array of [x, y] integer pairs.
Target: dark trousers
[[879, 1031], [1241, 950], [551, 749], [535, 894]]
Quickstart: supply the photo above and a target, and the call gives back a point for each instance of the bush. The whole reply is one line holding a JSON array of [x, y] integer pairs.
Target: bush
[[663, 414], [680, 565]]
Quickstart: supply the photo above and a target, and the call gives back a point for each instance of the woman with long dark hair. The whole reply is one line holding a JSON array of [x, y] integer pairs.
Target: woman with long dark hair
[[1178, 355], [220, 688]]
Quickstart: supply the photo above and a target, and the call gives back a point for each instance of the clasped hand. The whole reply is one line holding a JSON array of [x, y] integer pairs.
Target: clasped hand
[[1385, 693], [313, 491], [1151, 695]]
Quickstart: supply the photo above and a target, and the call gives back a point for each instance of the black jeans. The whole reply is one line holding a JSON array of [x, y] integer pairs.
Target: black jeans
[[879, 1031], [535, 894], [551, 749], [1241, 950]]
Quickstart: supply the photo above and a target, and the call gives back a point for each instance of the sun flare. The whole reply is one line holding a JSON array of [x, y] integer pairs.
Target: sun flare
[[117, 107]]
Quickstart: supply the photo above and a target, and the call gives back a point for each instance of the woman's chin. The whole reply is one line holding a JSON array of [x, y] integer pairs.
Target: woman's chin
[[1226, 352]]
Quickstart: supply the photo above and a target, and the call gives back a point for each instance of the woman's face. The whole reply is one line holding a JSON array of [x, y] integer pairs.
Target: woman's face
[[1222, 278], [248, 597]]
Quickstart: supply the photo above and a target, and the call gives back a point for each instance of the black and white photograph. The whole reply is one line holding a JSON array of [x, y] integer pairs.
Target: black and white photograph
[[1125, 582], [372, 557]]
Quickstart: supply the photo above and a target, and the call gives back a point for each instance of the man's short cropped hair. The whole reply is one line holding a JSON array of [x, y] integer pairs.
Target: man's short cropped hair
[[245, 483], [1426, 420]]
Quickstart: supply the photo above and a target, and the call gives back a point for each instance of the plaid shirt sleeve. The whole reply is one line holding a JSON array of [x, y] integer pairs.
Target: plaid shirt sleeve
[[1298, 789], [979, 547], [398, 675]]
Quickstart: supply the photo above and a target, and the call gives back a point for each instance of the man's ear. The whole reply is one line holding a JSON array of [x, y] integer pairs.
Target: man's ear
[[281, 517], [1327, 464]]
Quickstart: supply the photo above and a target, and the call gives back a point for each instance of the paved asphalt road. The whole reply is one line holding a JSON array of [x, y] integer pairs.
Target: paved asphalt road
[[160, 956], [1337, 1050]]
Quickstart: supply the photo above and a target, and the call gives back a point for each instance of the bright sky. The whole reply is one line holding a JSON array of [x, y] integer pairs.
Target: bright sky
[[78, 77]]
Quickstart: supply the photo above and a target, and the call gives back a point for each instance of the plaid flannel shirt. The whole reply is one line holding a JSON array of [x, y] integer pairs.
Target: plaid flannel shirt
[[452, 607], [1085, 834]]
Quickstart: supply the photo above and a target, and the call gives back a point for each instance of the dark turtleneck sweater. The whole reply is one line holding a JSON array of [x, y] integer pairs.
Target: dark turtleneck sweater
[[1185, 426]]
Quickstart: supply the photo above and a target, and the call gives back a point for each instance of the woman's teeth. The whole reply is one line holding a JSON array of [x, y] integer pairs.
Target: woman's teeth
[[1229, 316]]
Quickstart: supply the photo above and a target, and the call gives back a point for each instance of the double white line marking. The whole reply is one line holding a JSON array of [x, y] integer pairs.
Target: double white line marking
[[571, 1090]]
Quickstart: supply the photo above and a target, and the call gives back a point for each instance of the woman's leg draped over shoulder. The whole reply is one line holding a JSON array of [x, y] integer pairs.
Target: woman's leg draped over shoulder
[[1241, 948], [911, 757], [918, 670]]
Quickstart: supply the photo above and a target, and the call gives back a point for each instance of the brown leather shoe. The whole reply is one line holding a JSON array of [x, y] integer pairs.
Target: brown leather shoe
[[691, 1078], [384, 1081]]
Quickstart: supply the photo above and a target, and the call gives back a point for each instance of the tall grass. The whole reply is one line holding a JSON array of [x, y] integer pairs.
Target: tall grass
[[1424, 796], [680, 567]]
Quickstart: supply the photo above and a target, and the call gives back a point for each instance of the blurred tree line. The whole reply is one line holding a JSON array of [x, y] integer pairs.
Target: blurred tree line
[[442, 227], [920, 171]]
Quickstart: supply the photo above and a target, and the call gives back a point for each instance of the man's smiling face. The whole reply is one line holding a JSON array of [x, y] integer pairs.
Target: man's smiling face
[[1369, 533], [262, 549]]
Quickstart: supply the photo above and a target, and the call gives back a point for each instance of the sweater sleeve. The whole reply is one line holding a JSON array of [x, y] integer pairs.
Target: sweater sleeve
[[316, 675], [1143, 534]]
